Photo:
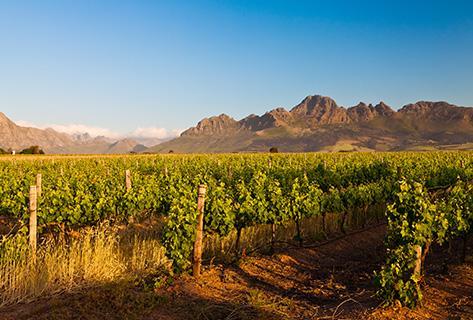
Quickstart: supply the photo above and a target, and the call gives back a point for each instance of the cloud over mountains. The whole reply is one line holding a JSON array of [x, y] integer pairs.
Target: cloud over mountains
[[79, 129]]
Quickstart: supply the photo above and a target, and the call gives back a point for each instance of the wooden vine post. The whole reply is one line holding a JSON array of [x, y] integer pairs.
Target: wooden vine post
[[165, 170], [197, 261], [38, 184], [273, 226], [273, 237], [33, 219], [128, 180], [399, 173], [418, 265]]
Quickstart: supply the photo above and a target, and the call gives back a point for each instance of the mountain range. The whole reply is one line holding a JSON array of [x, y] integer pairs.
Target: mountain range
[[317, 123], [15, 137]]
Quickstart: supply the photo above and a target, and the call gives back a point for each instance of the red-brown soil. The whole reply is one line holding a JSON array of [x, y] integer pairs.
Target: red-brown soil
[[332, 280]]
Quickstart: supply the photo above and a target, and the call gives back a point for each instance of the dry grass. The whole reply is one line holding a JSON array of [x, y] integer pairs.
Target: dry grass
[[96, 257], [258, 237]]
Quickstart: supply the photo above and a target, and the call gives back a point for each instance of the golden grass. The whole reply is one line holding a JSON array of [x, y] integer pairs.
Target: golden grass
[[98, 256], [258, 237]]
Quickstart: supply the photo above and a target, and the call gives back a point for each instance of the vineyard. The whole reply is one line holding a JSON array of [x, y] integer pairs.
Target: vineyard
[[425, 199]]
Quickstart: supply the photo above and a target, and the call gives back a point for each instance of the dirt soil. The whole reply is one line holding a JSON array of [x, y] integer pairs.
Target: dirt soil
[[331, 280]]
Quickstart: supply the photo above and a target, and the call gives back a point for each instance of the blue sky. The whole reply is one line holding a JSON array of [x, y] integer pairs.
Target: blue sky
[[123, 65]]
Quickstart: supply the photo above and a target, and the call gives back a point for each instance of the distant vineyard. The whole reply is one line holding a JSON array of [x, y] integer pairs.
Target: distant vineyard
[[429, 194]]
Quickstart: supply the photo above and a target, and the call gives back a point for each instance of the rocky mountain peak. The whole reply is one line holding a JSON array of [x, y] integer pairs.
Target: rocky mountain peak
[[314, 105], [278, 117], [364, 112], [384, 110], [422, 107], [5, 121], [319, 110], [272, 119], [438, 111], [213, 125], [361, 112], [279, 110]]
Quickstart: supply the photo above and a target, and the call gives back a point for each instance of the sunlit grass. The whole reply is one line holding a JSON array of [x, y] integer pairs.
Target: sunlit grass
[[258, 238], [97, 256]]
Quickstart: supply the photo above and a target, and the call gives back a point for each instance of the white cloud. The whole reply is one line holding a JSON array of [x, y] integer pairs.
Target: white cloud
[[140, 132], [74, 129], [23, 123], [154, 132], [80, 129]]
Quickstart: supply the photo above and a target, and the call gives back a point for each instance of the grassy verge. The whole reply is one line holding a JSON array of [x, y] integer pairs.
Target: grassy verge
[[93, 257]]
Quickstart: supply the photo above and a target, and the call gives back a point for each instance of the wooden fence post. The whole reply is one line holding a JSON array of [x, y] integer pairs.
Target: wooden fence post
[[38, 184], [273, 237], [399, 173], [128, 180], [33, 219], [418, 265], [197, 262], [165, 170]]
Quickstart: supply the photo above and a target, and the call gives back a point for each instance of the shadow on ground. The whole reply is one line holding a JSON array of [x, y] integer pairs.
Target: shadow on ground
[[329, 281], [123, 301]]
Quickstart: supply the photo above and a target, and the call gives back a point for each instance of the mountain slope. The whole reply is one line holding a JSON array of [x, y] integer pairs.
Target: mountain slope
[[15, 137], [317, 123]]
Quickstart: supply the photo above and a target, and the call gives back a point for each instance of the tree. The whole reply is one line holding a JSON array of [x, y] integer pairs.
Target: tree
[[273, 150], [32, 150]]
